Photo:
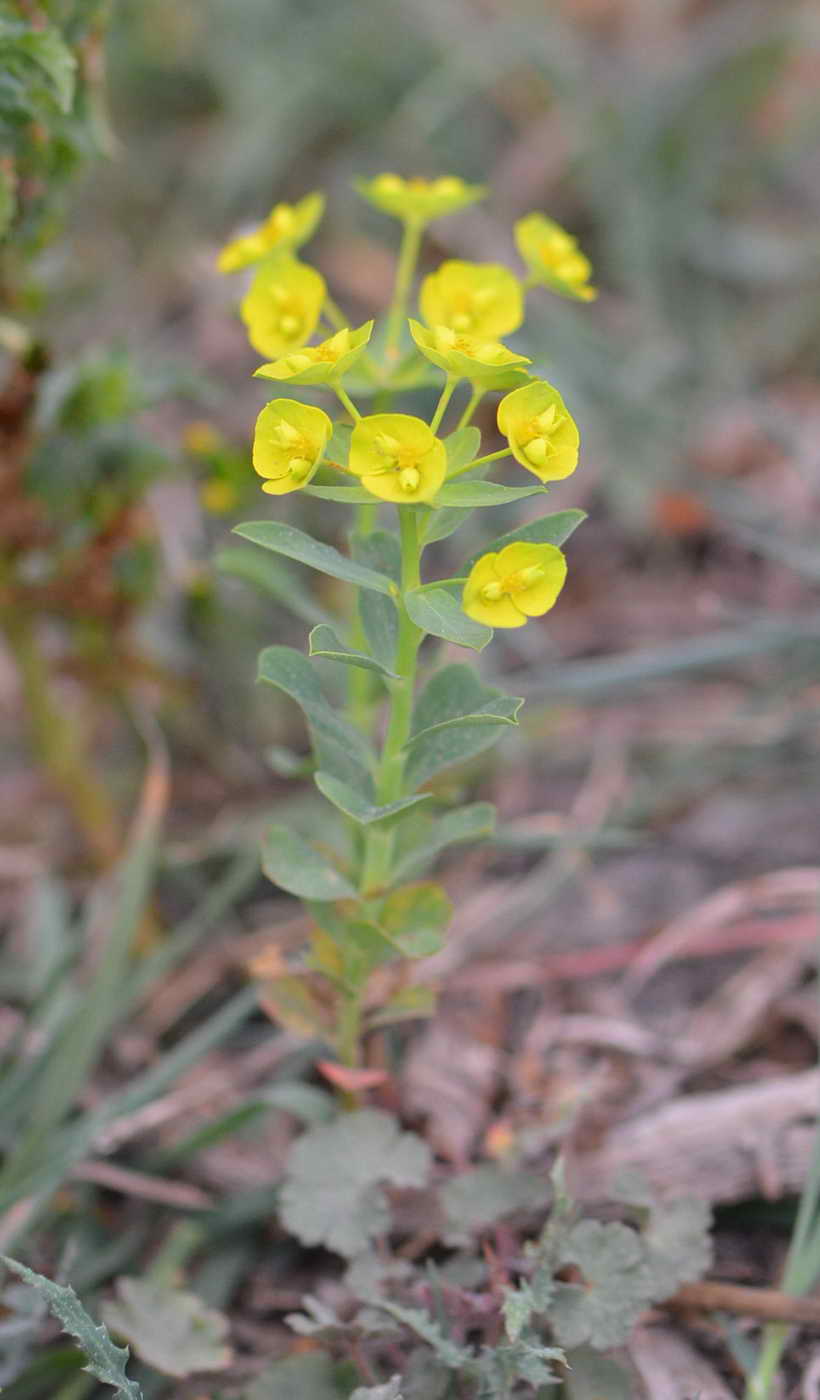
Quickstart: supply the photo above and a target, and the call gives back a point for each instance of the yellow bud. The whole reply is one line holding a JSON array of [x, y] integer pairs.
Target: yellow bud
[[279, 295], [282, 218], [298, 467], [389, 184], [546, 422], [445, 338], [525, 578], [491, 592], [289, 325], [386, 444], [297, 362], [537, 452], [409, 478], [286, 433], [447, 185], [461, 321]]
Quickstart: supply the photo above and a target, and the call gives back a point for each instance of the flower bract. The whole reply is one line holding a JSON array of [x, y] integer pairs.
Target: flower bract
[[319, 364], [397, 457], [478, 299], [288, 444], [418, 201], [287, 226], [542, 434], [282, 306], [521, 581], [554, 258], [466, 356]]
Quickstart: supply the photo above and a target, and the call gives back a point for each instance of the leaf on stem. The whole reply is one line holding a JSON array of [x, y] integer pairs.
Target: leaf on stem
[[548, 529], [349, 801], [436, 610], [295, 544], [455, 694], [170, 1329], [339, 747], [299, 869], [474, 822], [379, 550], [324, 642], [467, 495]]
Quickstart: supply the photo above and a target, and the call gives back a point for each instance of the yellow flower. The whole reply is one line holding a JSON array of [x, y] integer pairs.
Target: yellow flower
[[554, 258], [418, 201], [521, 581], [319, 364], [288, 444], [542, 434], [287, 226], [398, 457], [282, 306], [465, 356], [480, 299]]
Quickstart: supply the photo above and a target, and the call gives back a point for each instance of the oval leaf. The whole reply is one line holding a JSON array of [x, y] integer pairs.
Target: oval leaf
[[354, 805], [299, 869], [295, 544], [324, 642], [436, 611]]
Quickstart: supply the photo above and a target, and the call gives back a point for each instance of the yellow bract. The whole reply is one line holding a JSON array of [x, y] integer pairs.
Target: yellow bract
[[320, 364], [288, 444], [465, 356], [521, 581], [418, 201], [282, 306], [554, 258], [398, 457], [542, 434], [287, 226], [478, 299]]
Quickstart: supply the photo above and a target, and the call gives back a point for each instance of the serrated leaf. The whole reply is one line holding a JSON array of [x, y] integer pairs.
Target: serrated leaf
[[479, 1197], [172, 1330], [381, 551], [524, 1360], [468, 495], [351, 802], [311, 1376], [590, 1376], [106, 1361], [295, 544], [324, 642], [340, 748], [416, 918], [474, 822], [679, 1248], [439, 612], [426, 1327], [617, 1285], [332, 1194], [452, 693], [300, 869], [548, 529]]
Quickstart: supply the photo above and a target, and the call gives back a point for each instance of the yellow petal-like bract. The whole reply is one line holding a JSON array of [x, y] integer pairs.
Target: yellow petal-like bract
[[287, 226], [554, 258], [542, 434], [320, 364], [466, 356], [521, 581], [477, 299], [288, 444], [419, 201], [398, 457], [282, 306]]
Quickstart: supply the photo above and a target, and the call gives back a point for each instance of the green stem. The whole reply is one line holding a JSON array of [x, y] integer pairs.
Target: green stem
[[441, 407], [480, 462], [58, 740], [390, 776], [472, 404], [349, 1030], [347, 402], [408, 257], [759, 1385]]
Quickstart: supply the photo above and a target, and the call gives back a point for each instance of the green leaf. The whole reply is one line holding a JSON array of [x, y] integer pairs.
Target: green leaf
[[273, 578], [324, 642], [295, 866], [46, 50], [455, 692], [467, 495], [479, 1197], [311, 1376], [169, 1329], [349, 801], [500, 710], [474, 822], [426, 1327], [295, 544], [340, 748], [346, 495], [590, 1376], [416, 918], [8, 199], [409, 1004], [675, 1233], [438, 612], [106, 1361], [616, 1288], [548, 529], [462, 446], [338, 447], [332, 1192], [379, 550], [295, 1002]]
